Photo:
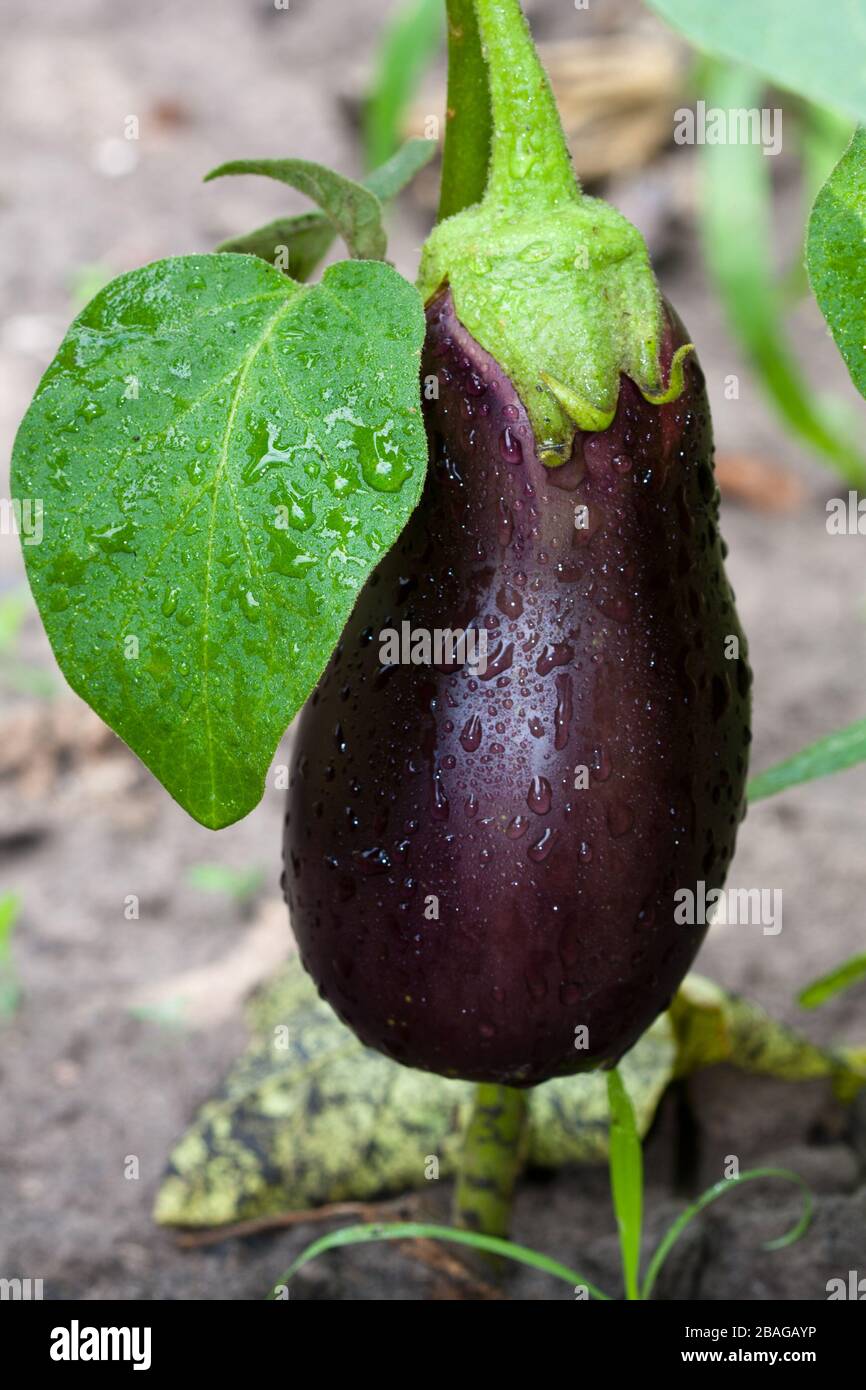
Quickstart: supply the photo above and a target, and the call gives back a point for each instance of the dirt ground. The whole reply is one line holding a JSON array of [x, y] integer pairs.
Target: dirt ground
[[93, 1068]]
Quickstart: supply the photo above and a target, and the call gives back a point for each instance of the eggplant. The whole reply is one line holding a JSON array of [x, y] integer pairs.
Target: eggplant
[[481, 864]]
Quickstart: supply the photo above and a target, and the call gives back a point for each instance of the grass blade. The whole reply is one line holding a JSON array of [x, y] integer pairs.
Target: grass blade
[[843, 977], [834, 753], [221, 878], [469, 129], [626, 1179], [10, 906], [412, 1230], [410, 44], [719, 1189], [14, 608]]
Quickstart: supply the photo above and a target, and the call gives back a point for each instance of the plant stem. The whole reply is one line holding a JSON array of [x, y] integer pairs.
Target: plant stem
[[466, 156], [491, 1160], [530, 161]]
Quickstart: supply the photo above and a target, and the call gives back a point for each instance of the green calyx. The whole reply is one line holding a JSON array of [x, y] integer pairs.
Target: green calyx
[[555, 285], [565, 300]]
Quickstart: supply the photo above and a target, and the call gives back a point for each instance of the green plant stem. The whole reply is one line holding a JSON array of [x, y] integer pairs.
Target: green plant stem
[[491, 1160], [468, 129], [530, 162]]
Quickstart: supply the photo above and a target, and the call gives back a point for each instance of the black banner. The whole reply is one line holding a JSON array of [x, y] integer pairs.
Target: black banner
[[80, 1339]]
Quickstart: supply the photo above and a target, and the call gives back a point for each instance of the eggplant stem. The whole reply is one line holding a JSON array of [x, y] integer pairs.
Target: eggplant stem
[[530, 162], [491, 1160]]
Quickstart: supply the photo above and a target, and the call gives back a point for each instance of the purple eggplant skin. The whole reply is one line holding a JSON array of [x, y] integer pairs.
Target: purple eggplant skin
[[461, 904]]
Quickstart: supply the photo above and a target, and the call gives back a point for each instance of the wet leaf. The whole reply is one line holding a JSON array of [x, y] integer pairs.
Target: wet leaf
[[834, 256], [223, 456]]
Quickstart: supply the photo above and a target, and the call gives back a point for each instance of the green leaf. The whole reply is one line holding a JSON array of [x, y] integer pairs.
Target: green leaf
[[419, 1230], [818, 51], [851, 972], [834, 256], [398, 172], [308, 237], [738, 240], [626, 1179], [821, 137], [86, 281], [352, 209], [409, 46], [223, 456], [835, 753], [824, 137]]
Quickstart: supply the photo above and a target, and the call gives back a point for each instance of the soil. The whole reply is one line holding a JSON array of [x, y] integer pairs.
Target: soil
[[93, 1066]]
